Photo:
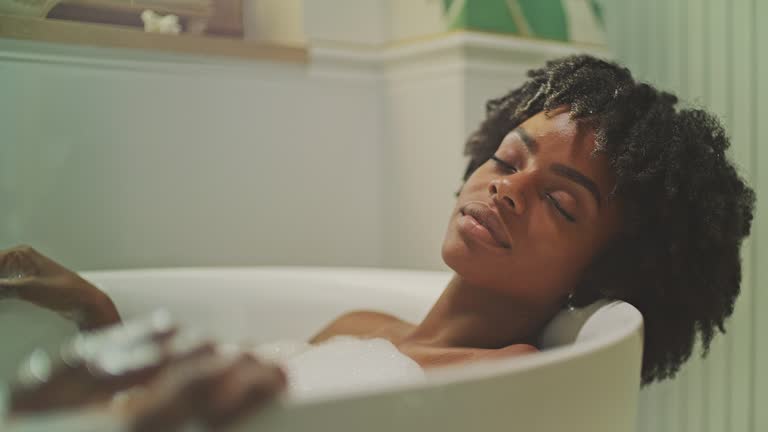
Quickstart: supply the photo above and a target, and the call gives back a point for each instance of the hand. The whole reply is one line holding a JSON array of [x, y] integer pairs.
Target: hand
[[210, 389], [183, 378], [93, 366], [28, 275]]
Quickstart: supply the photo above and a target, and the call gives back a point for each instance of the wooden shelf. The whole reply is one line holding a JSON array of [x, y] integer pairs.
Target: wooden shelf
[[109, 36]]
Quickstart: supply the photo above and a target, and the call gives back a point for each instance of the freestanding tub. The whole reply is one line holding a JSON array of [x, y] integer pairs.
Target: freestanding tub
[[586, 379]]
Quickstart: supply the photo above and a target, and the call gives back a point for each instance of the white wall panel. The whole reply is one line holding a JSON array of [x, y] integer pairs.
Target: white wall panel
[[760, 161], [158, 163]]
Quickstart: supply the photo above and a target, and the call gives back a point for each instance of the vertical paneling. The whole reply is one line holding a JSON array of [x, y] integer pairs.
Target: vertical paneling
[[742, 133], [634, 44], [717, 100], [653, 30], [760, 304], [672, 16], [709, 53], [658, 395], [94, 195], [633, 52], [681, 41], [9, 220], [694, 91]]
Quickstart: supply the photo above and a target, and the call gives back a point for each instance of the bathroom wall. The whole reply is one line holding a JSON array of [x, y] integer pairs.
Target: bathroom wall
[[112, 158], [280, 21], [712, 53]]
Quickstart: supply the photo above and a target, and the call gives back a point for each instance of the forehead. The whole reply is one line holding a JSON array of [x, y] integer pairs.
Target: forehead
[[556, 138], [557, 132]]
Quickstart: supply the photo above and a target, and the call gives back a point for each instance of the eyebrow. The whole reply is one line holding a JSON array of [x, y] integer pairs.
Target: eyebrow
[[560, 169], [577, 177], [528, 140]]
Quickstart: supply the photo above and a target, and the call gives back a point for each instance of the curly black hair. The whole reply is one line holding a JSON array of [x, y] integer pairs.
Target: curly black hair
[[686, 210]]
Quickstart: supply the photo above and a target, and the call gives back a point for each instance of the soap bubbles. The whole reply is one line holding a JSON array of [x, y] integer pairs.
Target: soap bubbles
[[343, 364]]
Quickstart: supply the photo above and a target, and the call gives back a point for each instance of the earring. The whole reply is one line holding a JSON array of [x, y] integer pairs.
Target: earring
[[569, 302]]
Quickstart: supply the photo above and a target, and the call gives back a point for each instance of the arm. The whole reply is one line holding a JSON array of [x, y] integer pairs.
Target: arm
[[513, 350], [30, 276]]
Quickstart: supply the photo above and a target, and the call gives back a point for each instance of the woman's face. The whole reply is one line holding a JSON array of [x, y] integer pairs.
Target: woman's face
[[530, 219]]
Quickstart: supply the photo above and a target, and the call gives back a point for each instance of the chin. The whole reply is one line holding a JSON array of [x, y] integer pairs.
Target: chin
[[454, 251], [448, 255], [465, 262]]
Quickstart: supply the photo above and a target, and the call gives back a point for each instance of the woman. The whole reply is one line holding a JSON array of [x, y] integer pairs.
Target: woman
[[582, 184]]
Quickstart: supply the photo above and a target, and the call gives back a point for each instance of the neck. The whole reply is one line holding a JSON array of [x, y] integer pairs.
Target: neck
[[471, 316]]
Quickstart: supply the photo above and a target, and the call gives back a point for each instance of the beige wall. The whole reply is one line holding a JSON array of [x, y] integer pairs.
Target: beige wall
[[112, 159], [366, 22], [416, 18], [274, 20]]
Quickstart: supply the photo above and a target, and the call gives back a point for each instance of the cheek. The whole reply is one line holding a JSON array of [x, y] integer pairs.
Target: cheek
[[545, 279], [544, 232], [557, 254], [477, 183]]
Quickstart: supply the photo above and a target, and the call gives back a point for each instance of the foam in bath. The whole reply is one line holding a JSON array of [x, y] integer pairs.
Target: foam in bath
[[340, 365]]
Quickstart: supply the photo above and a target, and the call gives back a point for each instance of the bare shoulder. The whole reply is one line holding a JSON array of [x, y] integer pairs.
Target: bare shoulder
[[506, 352], [356, 323], [515, 350]]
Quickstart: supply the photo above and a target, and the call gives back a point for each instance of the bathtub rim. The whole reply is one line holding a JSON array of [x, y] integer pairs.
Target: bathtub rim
[[437, 377]]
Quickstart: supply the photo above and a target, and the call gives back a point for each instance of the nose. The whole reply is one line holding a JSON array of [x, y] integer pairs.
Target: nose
[[508, 194]]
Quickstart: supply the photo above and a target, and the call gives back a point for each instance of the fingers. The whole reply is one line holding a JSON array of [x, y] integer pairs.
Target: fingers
[[9, 287], [16, 267], [211, 390], [174, 396], [156, 326], [43, 292], [43, 385], [128, 352], [184, 377], [167, 358], [19, 261], [242, 389], [94, 366], [28, 275]]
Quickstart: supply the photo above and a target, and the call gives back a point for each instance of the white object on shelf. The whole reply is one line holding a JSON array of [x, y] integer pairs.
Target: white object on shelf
[[156, 23]]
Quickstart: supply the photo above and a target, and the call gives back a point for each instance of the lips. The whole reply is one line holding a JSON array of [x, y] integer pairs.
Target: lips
[[488, 219]]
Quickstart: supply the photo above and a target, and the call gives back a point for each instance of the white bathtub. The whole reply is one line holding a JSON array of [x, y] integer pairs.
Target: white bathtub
[[590, 385]]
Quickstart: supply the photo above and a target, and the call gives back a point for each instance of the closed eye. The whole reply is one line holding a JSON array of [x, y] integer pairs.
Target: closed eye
[[552, 200], [509, 168]]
